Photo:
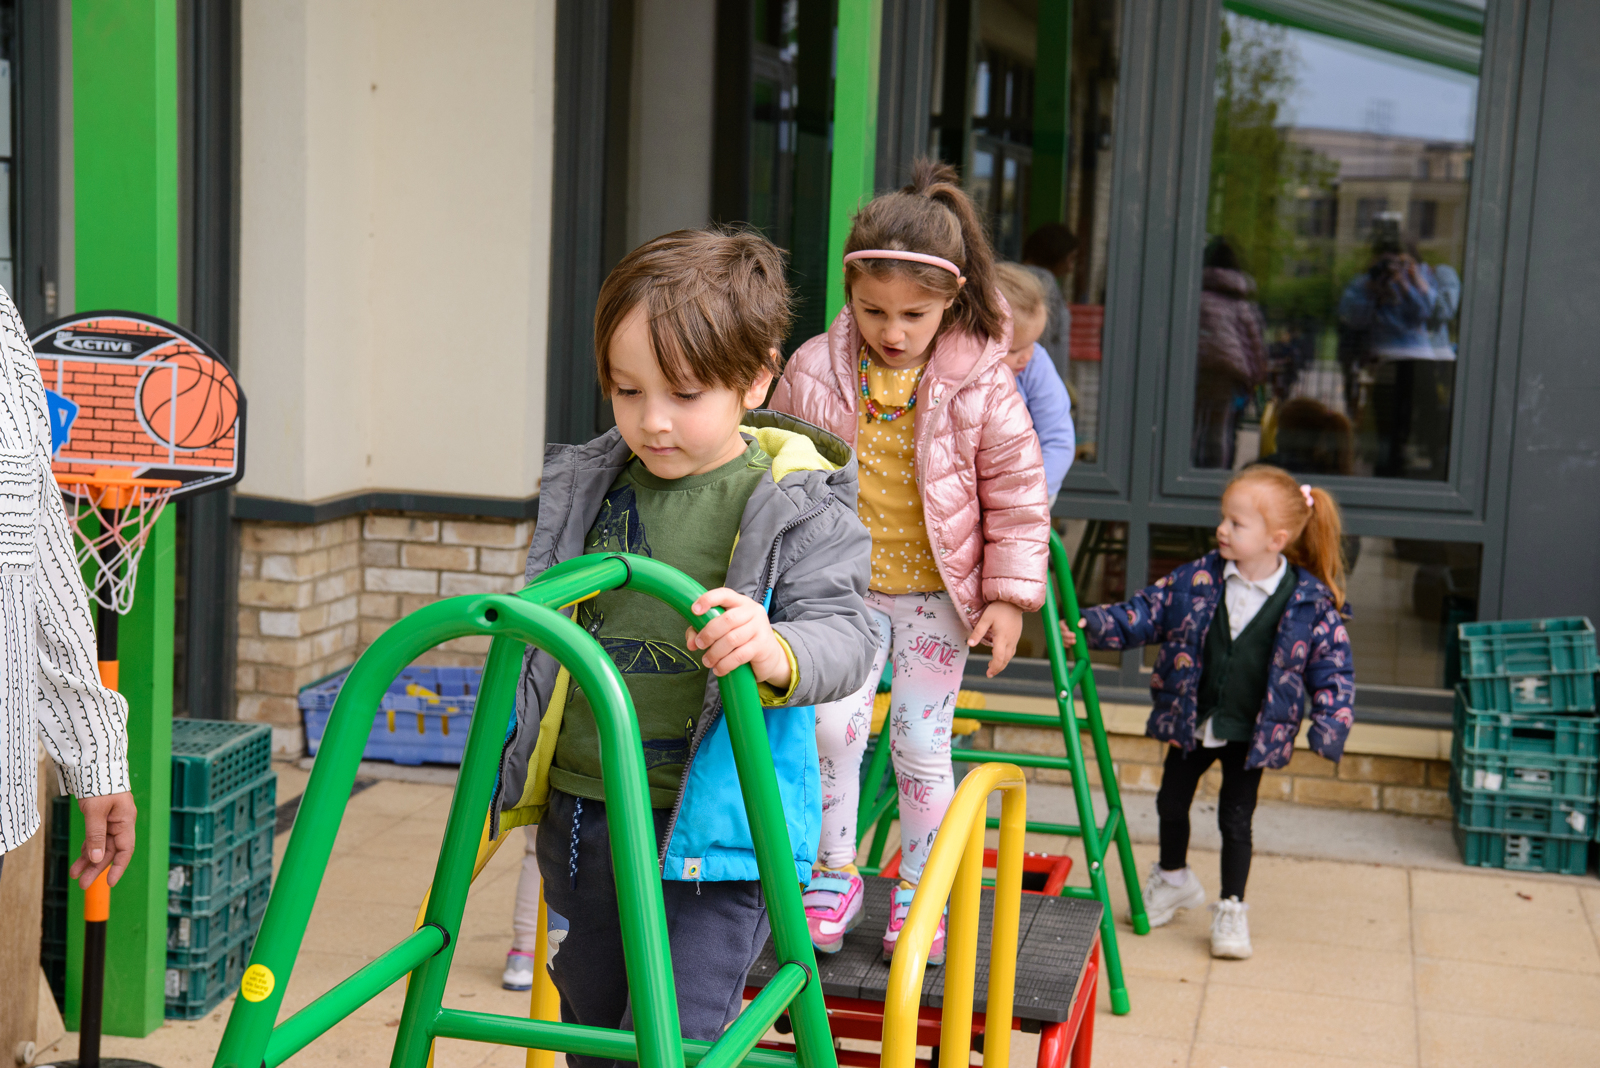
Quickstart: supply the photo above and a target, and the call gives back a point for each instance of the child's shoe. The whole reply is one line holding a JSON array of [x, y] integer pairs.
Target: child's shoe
[[1230, 931], [519, 971], [1162, 900], [833, 902], [897, 919]]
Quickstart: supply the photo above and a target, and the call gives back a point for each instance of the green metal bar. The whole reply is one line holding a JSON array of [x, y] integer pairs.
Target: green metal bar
[[1097, 734], [576, 580], [1093, 848], [452, 877], [743, 1034], [1011, 719], [1083, 893], [875, 799], [769, 832], [575, 1038], [857, 45], [1065, 830], [299, 1030], [1025, 760]]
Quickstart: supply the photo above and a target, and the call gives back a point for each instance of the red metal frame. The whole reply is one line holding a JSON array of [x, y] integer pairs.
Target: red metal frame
[[1054, 868], [859, 1019]]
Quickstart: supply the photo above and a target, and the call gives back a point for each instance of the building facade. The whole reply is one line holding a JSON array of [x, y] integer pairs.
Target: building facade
[[395, 219]]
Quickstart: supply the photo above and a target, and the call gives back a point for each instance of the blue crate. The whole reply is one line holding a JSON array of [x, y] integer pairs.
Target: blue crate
[[193, 991], [1523, 852], [423, 719], [193, 938], [211, 759], [1549, 734], [234, 818], [199, 879]]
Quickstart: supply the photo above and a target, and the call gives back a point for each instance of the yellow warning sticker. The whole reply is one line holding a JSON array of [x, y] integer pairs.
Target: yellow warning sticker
[[257, 983]]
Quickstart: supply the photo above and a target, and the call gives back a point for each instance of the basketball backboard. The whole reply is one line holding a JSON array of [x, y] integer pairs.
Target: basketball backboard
[[142, 396]]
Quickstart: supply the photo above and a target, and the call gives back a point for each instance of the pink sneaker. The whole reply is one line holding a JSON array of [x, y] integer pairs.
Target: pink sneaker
[[833, 902], [897, 919]]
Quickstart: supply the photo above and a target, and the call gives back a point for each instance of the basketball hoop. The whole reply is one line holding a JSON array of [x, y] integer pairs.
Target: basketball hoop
[[124, 509]]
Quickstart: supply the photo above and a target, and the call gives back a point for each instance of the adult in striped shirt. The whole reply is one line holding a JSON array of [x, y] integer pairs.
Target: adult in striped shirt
[[49, 680]]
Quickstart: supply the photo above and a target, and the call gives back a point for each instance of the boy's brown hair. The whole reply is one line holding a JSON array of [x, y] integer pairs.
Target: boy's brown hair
[[717, 303]]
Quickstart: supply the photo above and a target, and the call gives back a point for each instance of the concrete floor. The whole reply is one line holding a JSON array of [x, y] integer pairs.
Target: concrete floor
[[1373, 945]]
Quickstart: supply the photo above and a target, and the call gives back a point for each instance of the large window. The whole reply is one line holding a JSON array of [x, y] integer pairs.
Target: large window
[[1336, 223]]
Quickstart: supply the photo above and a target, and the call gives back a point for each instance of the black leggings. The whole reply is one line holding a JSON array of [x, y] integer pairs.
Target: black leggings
[[1236, 804]]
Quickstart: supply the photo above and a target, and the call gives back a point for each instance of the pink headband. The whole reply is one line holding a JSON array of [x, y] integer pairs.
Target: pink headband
[[1305, 491], [913, 257]]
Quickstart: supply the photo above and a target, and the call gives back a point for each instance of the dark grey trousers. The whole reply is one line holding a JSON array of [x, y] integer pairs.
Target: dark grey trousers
[[715, 930]]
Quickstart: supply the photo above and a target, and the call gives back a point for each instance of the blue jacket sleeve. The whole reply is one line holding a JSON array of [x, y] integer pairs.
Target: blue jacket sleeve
[[1051, 410], [1132, 623], [1331, 680]]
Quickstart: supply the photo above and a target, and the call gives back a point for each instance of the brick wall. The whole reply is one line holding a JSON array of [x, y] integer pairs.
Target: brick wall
[[1411, 787], [313, 596]]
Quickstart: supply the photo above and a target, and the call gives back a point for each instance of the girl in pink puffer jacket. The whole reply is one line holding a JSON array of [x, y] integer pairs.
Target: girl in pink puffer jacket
[[953, 493]]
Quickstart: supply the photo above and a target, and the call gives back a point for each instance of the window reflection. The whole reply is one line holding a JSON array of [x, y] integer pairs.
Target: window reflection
[[1331, 287]]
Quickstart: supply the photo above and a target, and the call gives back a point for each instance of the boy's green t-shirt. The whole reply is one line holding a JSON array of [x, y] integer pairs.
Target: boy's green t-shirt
[[692, 524]]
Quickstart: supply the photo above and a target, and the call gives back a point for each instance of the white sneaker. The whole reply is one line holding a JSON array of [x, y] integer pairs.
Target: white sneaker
[[519, 971], [1230, 931], [1162, 900]]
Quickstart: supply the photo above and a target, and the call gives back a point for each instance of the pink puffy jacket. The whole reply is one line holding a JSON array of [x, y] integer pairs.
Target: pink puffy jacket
[[978, 463]]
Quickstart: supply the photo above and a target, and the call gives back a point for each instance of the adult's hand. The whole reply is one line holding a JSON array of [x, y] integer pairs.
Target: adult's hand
[[107, 838]]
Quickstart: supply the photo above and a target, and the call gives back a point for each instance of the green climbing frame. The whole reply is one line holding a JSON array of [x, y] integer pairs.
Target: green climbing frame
[[531, 618], [879, 804]]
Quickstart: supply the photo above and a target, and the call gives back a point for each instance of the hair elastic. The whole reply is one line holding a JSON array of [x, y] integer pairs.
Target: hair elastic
[[1305, 491], [897, 254]]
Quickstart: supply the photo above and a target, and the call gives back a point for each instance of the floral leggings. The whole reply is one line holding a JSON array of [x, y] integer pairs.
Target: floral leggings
[[927, 636]]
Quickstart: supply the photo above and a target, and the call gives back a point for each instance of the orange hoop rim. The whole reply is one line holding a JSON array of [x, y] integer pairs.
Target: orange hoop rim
[[117, 480]]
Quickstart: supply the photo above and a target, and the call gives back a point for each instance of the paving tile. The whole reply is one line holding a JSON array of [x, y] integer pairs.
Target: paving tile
[[1216, 1055], [1292, 1022], [1491, 893], [1180, 950], [1315, 968], [351, 880], [1114, 1050], [1452, 1040], [1534, 995], [382, 926], [1546, 940], [1591, 907], [1162, 1008]]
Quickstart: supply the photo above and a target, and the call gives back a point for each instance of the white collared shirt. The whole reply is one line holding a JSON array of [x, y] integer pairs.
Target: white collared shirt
[[1244, 599], [49, 679]]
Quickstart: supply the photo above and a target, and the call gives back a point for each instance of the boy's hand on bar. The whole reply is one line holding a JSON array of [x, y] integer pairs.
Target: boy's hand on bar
[[1068, 637], [741, 635]]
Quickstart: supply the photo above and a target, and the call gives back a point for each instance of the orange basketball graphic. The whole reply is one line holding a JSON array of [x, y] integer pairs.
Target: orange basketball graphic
[[187, 401]]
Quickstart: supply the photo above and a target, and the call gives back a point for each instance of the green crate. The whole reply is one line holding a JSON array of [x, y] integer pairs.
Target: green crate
[[1570, 691], [193, 991], [1524, 852], [1515, 732], [1527, 647], [237, 817], [1527, 774], [197, 880], [1479, 810], [212, 759], [193, 938]]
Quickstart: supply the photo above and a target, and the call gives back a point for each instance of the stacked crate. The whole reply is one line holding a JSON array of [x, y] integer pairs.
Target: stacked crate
[[1526, 749], [224, 808], [423, 718]]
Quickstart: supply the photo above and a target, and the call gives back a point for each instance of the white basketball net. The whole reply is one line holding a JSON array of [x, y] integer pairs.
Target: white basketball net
[[113, 522]]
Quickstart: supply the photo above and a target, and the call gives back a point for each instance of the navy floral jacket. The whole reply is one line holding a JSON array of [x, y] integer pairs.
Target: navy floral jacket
[[1312, 651]]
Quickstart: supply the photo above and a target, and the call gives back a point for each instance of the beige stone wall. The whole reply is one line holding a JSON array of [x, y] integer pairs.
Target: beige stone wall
[[312, 597], [1405, 785]]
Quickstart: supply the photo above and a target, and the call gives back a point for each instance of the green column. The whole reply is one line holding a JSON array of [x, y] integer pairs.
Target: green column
[[125, 180], [1052, 118], [855, 130]]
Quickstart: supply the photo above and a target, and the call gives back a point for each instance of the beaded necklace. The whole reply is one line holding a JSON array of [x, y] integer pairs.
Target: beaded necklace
[[888, 413]]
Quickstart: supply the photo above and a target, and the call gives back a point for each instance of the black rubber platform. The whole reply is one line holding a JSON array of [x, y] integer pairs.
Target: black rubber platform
[[1057, 936]]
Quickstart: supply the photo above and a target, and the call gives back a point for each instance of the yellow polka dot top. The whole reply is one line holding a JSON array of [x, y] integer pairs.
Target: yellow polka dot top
[[890, 505]]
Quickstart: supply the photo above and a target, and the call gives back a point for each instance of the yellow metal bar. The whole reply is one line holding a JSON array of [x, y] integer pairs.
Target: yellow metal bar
[[543, 1003], [958, 851]]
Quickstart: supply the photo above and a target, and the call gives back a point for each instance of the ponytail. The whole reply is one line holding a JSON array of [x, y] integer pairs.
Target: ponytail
[[1316, 528], [932, 215]]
